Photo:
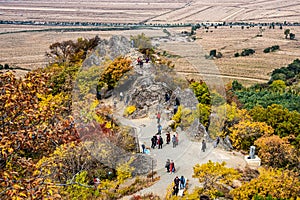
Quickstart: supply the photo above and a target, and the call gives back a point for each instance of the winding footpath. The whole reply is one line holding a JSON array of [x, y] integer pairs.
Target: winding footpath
[[186, 155]]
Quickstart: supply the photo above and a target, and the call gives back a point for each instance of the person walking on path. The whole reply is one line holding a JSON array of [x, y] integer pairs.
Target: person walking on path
[[182, 182], [176, 181], [167, 166], [175, 190], [121, 96], [176, 135], [159, 128], [158, 116], [216, 142], [153, 142], [174, 141], [172, 167], [160, 142], [168, 137], [203, 145]]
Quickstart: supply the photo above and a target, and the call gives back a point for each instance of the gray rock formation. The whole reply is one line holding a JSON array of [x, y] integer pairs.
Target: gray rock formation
[[112, 48]]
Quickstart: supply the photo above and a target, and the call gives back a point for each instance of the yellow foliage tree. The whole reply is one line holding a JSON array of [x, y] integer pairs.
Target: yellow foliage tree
[[129, 110], [245, 133], [114, 70], [214, 176], [271, 182], [177, 117]]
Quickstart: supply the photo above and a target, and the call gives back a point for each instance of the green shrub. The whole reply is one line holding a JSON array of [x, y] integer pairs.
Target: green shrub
[[247, 52], [271, 49]]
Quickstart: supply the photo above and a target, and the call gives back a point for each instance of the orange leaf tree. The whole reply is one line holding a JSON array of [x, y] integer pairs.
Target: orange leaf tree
[[277, 152]]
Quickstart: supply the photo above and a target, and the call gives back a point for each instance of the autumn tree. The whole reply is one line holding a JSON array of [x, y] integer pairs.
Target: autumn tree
[[201, 92], [245, 133], [141, 41], [277, 152], [203, 113], [214, 176], [31, 126], [278, 86], [280, 184], [114, 71], [67, 58], [284, 122]]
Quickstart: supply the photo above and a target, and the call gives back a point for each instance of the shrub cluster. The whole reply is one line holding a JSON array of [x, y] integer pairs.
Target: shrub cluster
[[285, 73], [245, 52], [271, 49]]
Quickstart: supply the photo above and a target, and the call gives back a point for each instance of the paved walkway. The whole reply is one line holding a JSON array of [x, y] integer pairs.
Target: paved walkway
[[185, 156]]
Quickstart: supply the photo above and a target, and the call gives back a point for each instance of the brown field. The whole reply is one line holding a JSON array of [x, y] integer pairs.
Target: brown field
[[151, 11], [28, 49], [229, 41]]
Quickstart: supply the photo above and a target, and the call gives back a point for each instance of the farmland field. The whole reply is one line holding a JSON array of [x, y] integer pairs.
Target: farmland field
[[27, 49]]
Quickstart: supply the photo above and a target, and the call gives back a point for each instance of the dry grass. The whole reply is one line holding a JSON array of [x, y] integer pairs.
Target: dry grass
[[153, 11], [229, 41], [28, 49]]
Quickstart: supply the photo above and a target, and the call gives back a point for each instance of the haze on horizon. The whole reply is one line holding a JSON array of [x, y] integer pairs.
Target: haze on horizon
[[151, 11]]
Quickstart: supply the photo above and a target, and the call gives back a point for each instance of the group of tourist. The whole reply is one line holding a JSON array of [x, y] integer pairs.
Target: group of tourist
[[157, 140], [140, 61], [170, 166], [179, 184]]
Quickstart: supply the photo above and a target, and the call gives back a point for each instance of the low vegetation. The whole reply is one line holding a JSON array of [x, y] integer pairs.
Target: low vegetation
[[271, 49]]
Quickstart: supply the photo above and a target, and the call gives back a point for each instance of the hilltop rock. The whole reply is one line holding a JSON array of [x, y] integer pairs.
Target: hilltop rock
[[112, 48]]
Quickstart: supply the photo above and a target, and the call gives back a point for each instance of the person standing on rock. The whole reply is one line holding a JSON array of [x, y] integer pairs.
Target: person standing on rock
[[143, 148], [167, 97], [174, 141], [177, 102], [175, 109], [167, 166], [216, 142], [127, 99], [203, 145]]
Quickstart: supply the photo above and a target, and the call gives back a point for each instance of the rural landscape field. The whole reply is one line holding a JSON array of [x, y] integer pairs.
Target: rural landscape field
[[157, 99], [20, 48]]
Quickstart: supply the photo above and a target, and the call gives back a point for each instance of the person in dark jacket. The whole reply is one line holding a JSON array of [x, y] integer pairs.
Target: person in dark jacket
[[161, 141], [203, 145], [153, 142], [167, 166]]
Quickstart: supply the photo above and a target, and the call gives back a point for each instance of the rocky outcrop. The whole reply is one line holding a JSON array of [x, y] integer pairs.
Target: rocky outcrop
[[112, 48]]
